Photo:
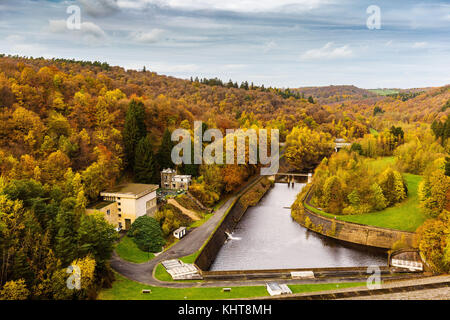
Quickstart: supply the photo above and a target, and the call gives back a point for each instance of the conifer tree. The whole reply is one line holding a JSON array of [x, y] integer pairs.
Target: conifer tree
[[65, 246], [134, 130], [145, 166], [165, 151]]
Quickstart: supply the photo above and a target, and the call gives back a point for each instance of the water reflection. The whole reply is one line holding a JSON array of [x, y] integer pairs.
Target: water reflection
[[268, 238]]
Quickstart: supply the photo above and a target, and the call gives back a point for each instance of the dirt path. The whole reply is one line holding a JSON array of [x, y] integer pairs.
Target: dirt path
[[191, 214]]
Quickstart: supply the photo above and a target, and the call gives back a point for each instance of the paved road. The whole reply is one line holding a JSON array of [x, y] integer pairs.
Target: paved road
[[191, 243], [429, 294], [425, 294]]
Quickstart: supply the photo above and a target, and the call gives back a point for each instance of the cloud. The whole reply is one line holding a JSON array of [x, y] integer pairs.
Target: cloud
[[99, 8], [327, 52], [14, 38], [148, 37], [87, 29], [269, 46], [175, 68], [229, 5], [419, 45], [231, 67]]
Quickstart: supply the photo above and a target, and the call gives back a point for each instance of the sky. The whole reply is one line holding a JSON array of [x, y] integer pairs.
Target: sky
[[281, 43]]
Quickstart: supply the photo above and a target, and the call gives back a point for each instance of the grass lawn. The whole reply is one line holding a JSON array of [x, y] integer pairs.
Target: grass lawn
[[162, 274], [198, 223], [381, 164], [405, 216], [124, 289], [128, 250]]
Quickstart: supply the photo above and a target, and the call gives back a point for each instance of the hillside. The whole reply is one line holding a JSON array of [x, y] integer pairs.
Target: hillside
[[335, 94]]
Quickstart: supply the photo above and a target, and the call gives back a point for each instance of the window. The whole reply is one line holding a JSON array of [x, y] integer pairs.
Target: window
[[108, 212], [120, 210], [118, 203]]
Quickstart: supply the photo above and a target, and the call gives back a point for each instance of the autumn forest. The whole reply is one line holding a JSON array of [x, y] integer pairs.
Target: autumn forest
[[71, 129]]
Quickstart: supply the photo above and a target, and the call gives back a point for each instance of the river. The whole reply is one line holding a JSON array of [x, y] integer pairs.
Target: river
[[268, 238]]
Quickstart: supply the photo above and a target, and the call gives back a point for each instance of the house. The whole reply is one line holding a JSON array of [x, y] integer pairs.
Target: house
[[171, 180], [125, 203], [167, 177]]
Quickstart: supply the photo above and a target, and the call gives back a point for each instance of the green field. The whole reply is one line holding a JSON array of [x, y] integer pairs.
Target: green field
[[384, 92], [405, 216], [124, 289], [128, 250], [381, 164]]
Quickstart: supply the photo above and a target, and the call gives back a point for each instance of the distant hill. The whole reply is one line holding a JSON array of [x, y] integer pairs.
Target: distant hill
[[336, 94]]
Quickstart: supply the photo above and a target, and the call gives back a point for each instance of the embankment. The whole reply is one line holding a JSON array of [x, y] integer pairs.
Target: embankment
[[250, 198], [348, 231]]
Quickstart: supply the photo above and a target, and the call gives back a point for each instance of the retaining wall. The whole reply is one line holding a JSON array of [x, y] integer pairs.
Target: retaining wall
[[218, 238], [355, 233]]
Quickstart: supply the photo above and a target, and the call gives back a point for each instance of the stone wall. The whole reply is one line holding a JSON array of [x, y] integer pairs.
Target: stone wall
[[357, 233], [353, 232], [209, 252]]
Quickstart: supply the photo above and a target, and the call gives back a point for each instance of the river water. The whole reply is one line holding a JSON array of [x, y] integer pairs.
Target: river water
[[268, 238]]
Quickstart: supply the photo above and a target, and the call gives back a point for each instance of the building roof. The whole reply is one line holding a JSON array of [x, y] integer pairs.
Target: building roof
[[273, 286], [180, 229], [180, 176], [168, 171], [130, 190], [99, 205]]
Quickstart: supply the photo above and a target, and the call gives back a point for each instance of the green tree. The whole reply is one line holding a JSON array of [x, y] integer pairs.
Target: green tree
[[333, 197], [145, 166], [393, 186], [165, 151], [447, 166], [97, 237], [134, 130], [65, 242], [147, 234]]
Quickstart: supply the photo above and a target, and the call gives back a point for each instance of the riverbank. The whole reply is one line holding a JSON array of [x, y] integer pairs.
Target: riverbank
[[405, 216], [334, 227]]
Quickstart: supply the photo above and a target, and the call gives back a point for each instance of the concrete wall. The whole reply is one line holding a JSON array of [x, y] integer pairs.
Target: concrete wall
[[218, 238], [357, 233]]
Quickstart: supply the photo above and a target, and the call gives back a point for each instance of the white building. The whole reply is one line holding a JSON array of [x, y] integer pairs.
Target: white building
[[275, 289], [180, 232]]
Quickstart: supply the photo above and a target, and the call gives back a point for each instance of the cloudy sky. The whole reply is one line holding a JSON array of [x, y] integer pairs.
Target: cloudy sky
[[283, 43]]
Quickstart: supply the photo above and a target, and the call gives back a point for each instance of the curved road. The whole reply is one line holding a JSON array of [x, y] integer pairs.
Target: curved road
[[188, 245]]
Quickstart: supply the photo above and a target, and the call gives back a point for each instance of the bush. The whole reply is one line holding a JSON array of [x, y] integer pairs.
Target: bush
[[147, 234]]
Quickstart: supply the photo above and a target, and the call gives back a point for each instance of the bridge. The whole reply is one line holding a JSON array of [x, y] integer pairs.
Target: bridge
[[290, 177]]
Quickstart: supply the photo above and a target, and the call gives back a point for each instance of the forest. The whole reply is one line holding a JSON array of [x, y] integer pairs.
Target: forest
[[70, 129]]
